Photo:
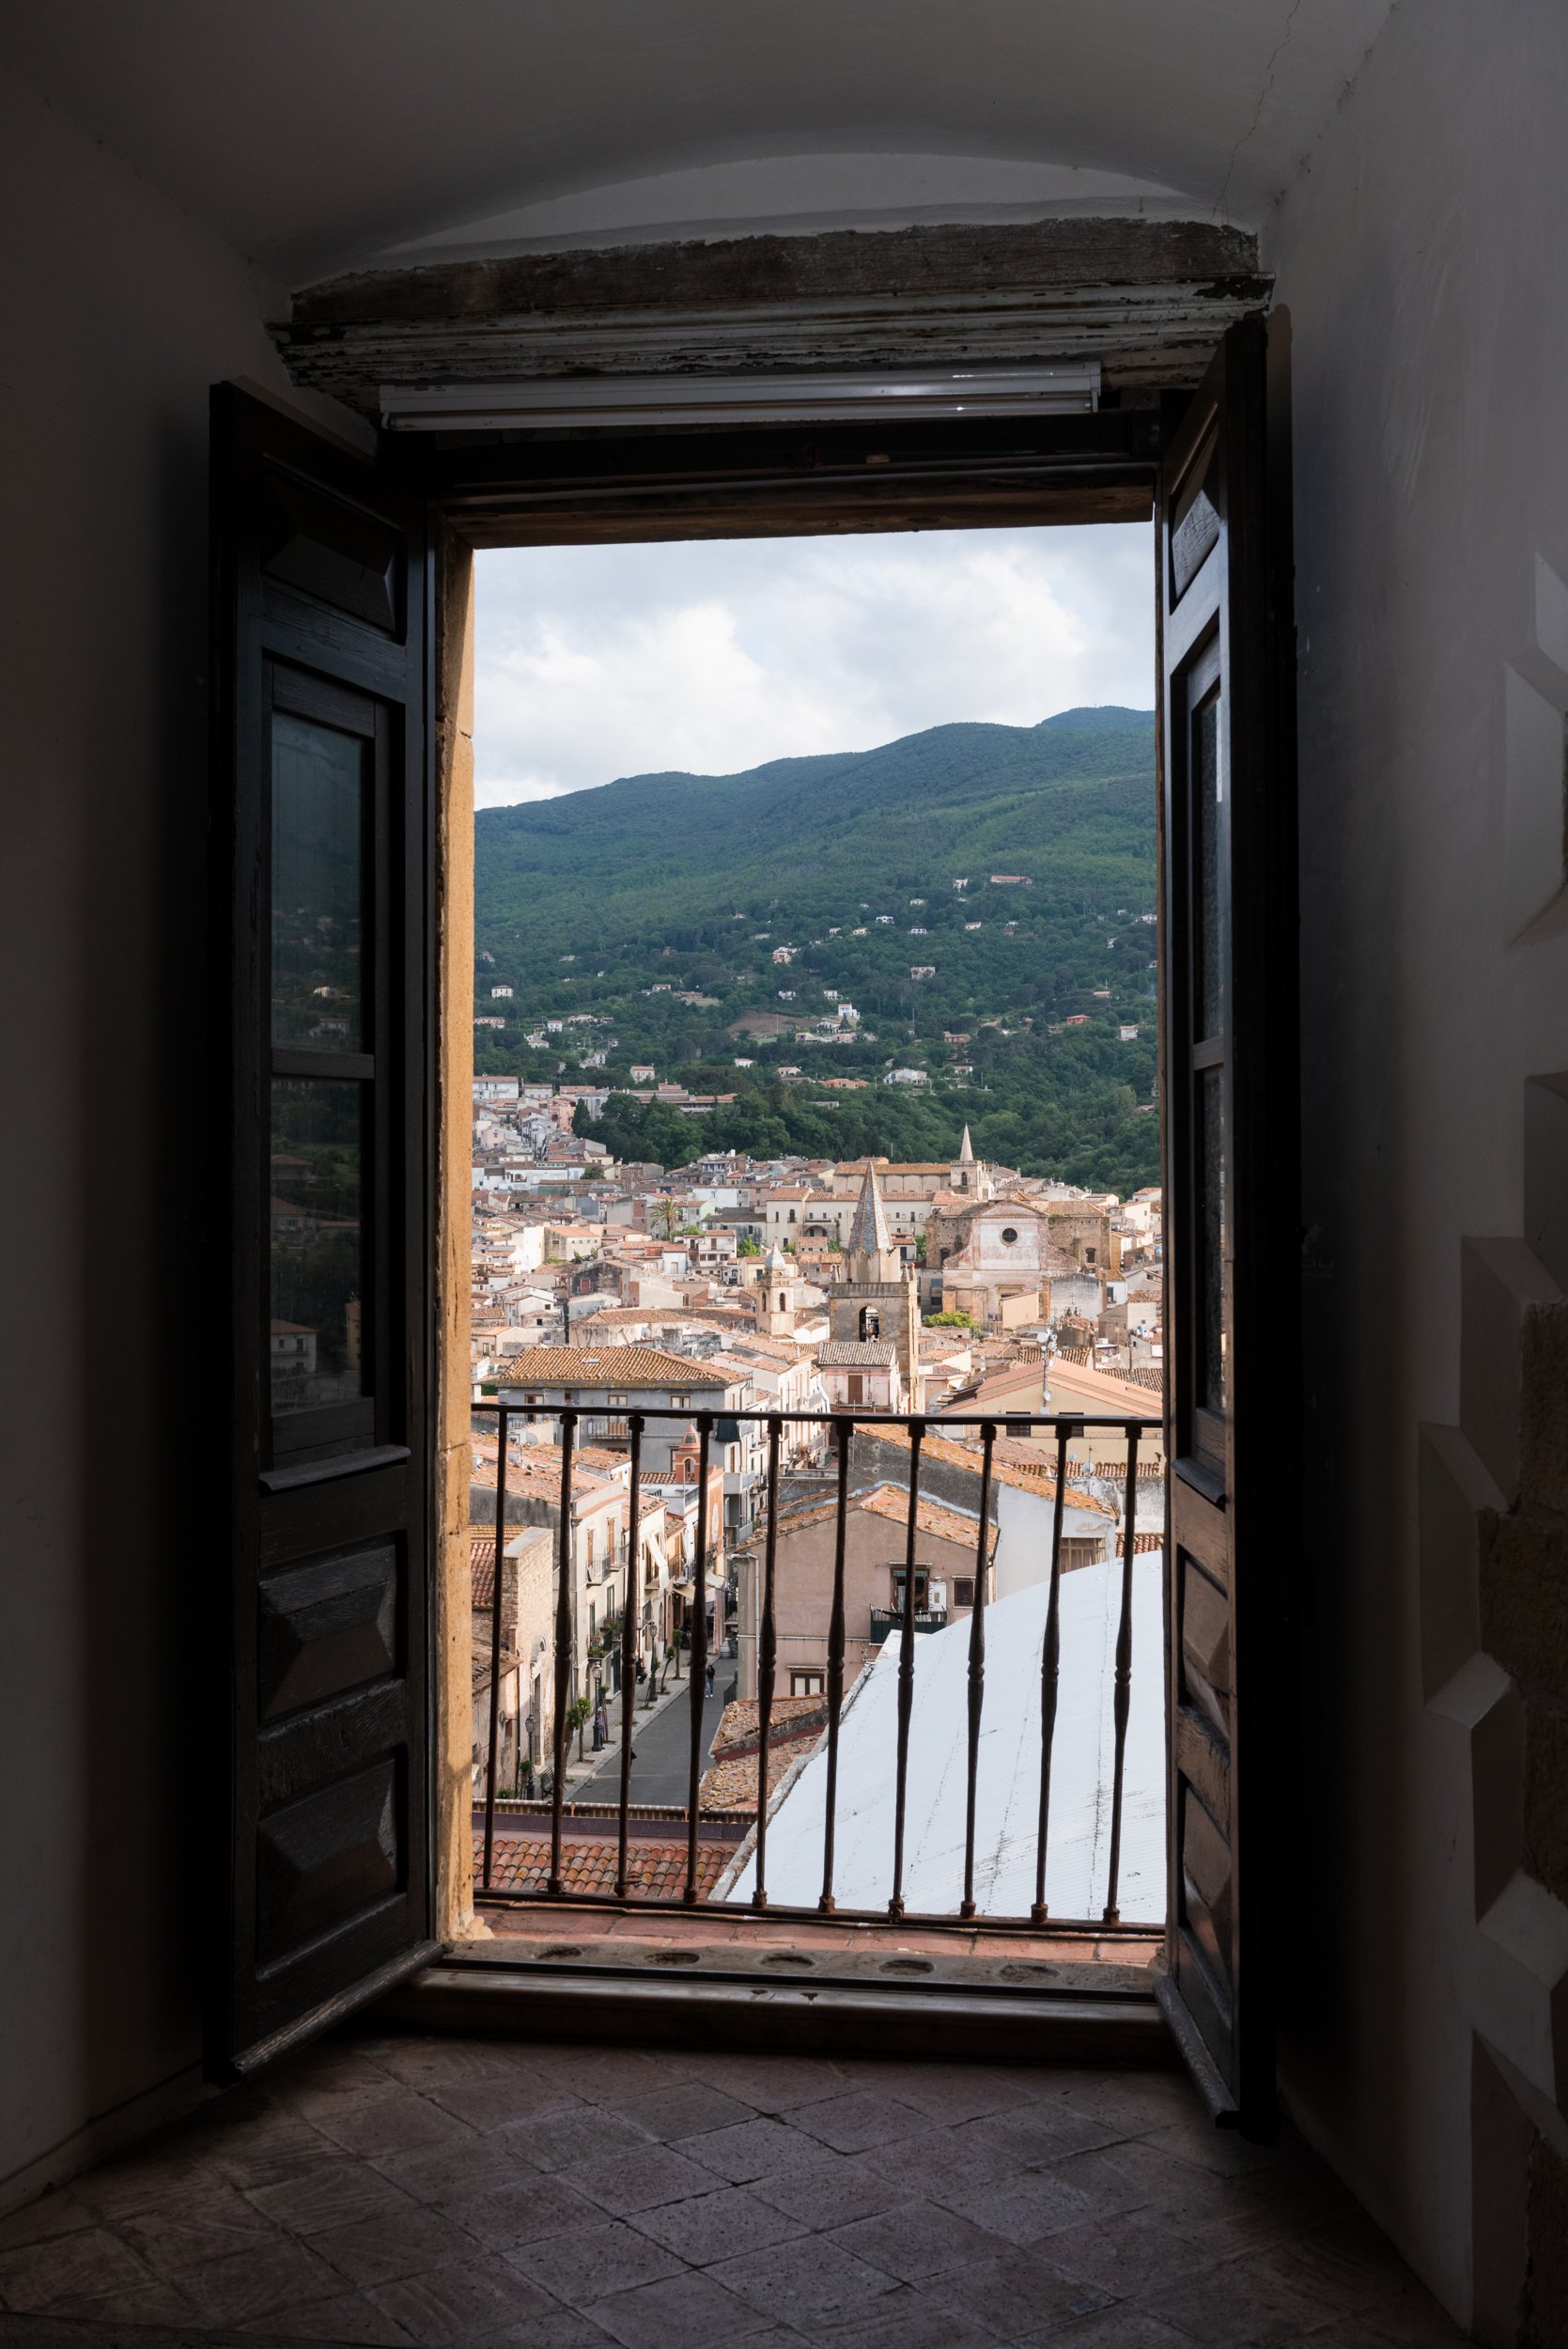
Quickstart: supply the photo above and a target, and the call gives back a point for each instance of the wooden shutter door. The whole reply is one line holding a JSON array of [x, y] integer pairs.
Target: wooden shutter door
[[1228, 974], [322, 804]]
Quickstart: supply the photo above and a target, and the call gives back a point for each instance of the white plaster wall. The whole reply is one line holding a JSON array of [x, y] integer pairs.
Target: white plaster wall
[[120, 313], [1421, 256]]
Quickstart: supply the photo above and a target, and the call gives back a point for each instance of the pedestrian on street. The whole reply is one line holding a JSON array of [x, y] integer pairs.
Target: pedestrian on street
[[641, 1671], [599, 1728], [710, 1678]]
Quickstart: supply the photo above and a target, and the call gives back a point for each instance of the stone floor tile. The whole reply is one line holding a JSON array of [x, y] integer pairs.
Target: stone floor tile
[[494, 2100], [375, 2250], [861, 2118], [394, 2120], [1128, 2253], [830, 2190], [679, 2312], [1029, 2134], [946, 2165], [1237, 2302], [604, 2075], [640, 2179], [330, 2195], [1116, 2178], [751, 2150], [1136, 2103], [523, 2210], [804, 2281], [562, 2328], [156, 2303], [460, 2305], [298, 2208], [1350, 2263], [69, 2267], [429, 2063], [181, 2233], [904, 2320], [773, 2083], [272, 2275], [585, 2264], [693, 2108], [272, 2149], [916, 2241], [559, 2140], [949, 2092], [1193, 2138], [56, 2213], [454, 2173], [349, 2318], [717, 2225], [1421, 2324], [1010, 2296], [1114, 2329], [163, 2170]]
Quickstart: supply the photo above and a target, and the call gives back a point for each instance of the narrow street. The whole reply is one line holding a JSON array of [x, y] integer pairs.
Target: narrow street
[[661, 1748]]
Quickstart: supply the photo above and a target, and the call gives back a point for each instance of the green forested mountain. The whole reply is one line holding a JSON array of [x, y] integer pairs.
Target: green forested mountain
[[601, 908]]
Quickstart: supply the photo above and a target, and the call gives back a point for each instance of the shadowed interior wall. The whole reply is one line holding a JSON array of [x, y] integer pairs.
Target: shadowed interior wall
[[1419, 255], [122, 313]]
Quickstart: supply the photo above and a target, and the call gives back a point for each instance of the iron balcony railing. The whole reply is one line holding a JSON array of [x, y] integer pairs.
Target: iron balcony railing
[[909, 1619], [887, 1619]]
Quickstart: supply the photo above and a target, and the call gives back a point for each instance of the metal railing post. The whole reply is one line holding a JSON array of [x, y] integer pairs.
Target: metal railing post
[[1124, 1681], [905, 1676], [495, 1651]]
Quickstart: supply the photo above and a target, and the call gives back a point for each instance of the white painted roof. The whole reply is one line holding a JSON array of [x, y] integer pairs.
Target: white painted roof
[[1008, 1781]]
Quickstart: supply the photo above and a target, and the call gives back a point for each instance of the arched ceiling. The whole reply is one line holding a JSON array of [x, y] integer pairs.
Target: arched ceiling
[[320, 135]]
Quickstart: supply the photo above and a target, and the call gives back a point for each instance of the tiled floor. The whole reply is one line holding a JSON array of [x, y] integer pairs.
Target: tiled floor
[[457, 2191]]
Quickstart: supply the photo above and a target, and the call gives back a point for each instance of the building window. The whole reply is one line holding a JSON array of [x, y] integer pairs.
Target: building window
[[922, 1578], [871, 1322], [806, 1684], [1009, 1236], [963, 1590]]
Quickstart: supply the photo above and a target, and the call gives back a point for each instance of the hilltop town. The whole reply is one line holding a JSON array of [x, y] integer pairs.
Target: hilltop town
[[954, 1288], [998, 968]]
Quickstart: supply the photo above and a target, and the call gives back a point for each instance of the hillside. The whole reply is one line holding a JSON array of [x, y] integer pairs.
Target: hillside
[[602, 908]]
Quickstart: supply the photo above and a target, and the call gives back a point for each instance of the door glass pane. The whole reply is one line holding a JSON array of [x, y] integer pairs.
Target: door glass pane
[[317, 1343], [1210, 1298], [1208, 858], [319, 831]]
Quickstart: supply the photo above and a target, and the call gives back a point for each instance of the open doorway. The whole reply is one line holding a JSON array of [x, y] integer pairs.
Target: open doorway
[[816, 1164], [345, 598]]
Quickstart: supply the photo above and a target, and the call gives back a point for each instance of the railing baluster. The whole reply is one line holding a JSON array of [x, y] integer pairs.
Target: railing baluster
[[495, 1651], [767, 1662], [699, 1659], [843, 1431], [1050, 1671], [977, 1661], [906, 1675], [563, 1648], [1124, 1678], [629, 1652]]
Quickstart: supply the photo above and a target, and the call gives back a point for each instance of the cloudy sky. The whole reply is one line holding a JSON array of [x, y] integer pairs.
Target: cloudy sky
[[594, 663]]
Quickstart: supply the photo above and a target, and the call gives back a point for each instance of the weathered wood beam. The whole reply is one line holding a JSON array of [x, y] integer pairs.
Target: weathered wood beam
[[1148, 299]]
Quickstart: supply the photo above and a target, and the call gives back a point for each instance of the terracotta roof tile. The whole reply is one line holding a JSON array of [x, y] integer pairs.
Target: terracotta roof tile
[[622, 1366]]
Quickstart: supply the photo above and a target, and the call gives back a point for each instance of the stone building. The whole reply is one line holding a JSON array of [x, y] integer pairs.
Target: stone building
[[871, 1361]]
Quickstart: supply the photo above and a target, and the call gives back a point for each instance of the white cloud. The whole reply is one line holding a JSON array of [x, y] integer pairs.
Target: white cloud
[[594, 663]]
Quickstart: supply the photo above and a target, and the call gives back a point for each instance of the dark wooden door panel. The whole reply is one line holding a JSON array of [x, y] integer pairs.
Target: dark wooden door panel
[[321, 741], [1227, 980]]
